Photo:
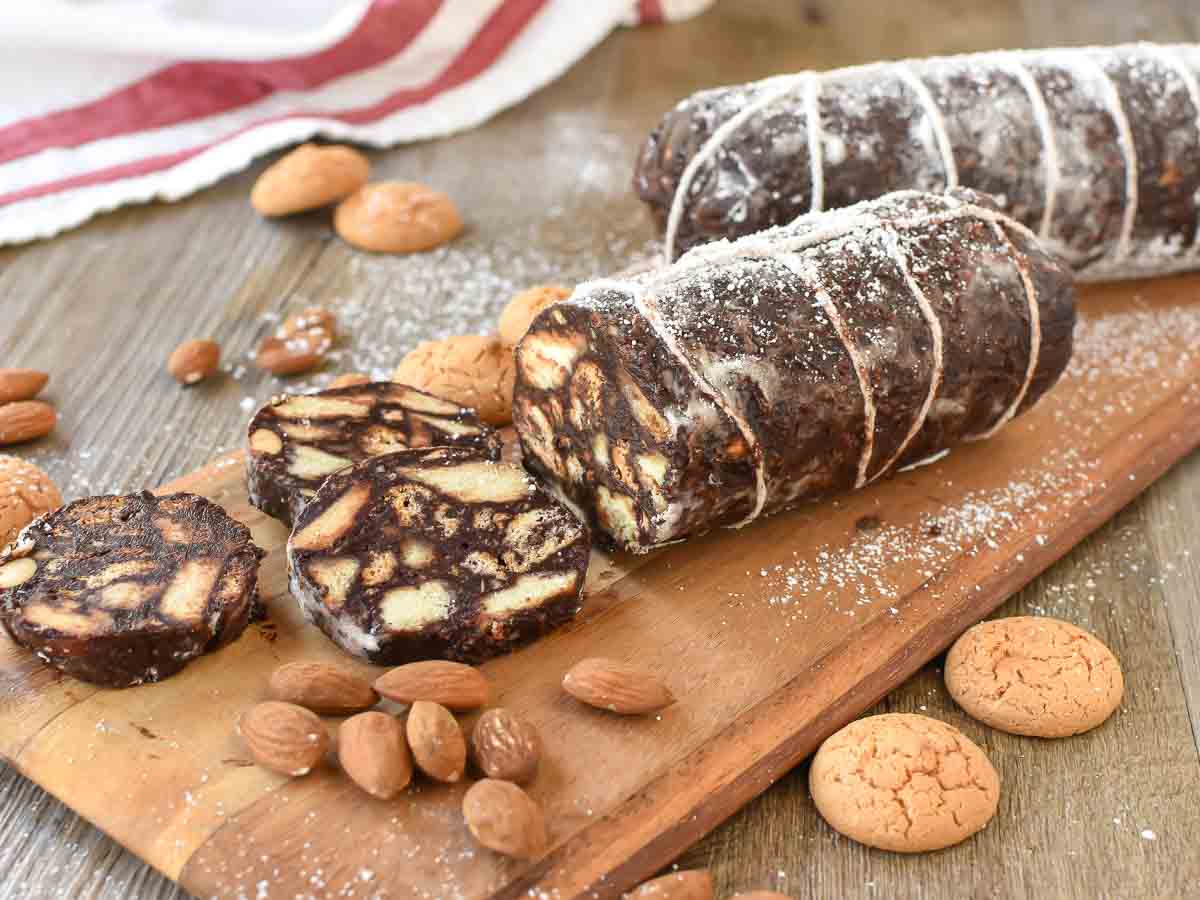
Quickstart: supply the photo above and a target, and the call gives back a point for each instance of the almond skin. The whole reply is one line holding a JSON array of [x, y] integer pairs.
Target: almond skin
[[21, 384], [617, 686], [454, 685], [695, 884], [193, 361], [373, 751], [436, 741], [502, 817], [26, 420], [291, 355], [283, 737], [314, 318], [323, 688], [506, 746]]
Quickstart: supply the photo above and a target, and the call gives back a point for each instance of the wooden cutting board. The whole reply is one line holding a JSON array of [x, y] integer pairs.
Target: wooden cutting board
[[772, 637]]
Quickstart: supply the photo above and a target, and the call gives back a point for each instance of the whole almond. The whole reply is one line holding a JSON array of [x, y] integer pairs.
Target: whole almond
[[325, 689], [617, 686], [436, 741], [290, 355], [506, 746], [283, 737], [374, 753], [760, 895], [21, 384], [694, 884], [26, 420], [504, 818], [453, 685], [193, 361], [397, 217], [349, 379]]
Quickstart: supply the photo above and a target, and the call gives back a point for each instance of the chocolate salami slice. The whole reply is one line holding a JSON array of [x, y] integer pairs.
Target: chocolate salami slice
[[121, 590], [807, 359], [436, 553], [1096, 150], [296, 441]]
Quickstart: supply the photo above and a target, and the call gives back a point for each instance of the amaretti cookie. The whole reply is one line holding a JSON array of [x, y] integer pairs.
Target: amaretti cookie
[[120, 590], [297, 440], [904, 783], [435, 553], [1034, 675]]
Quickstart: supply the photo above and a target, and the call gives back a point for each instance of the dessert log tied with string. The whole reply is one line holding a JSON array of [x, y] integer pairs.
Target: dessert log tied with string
[[296, 441], [1096, 150], [807, 359], [121, 590]]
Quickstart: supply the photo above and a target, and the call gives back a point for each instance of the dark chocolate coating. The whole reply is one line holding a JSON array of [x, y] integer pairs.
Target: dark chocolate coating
[[410, 569], [385, 417], [1044, 128], [109, 602], [650, 402]]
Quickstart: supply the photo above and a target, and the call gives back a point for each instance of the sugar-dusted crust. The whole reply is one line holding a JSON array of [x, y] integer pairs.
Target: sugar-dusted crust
[[811, 358], [1095, 149], [120, 590]]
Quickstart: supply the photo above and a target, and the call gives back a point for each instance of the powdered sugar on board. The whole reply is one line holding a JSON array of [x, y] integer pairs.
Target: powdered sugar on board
[[1120, 362]]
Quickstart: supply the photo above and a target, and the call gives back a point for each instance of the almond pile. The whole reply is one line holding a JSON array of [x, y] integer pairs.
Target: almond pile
[[22, 418], [475, 370], [380, 751]]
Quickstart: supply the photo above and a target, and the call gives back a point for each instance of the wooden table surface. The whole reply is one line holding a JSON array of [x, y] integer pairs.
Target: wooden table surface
[[1113, 813]]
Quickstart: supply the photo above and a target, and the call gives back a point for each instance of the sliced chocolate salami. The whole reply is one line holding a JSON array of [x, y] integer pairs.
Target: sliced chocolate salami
[[438, 553], [810, 358], [120, 590], [1096, 150], [296, 441]]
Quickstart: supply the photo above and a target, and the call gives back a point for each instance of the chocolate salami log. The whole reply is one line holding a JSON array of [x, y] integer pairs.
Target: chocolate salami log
[[296, 441], [1097, 150], [807, 359], [436, 553], [129, 589]]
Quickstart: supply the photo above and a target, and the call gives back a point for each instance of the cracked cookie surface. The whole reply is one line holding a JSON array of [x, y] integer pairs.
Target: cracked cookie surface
[[905, 783], [1034, 676]]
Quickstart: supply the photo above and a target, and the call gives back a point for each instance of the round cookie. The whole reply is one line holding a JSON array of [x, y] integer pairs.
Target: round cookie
[[1035, 676], [904, 783]]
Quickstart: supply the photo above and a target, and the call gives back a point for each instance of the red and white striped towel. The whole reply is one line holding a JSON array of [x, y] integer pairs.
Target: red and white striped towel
[[134, 129]]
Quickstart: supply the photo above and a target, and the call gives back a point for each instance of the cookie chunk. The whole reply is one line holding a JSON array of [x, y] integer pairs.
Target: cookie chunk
[[436, 553], [120, 590], [296, 441], [1035, 676], [904, 783]]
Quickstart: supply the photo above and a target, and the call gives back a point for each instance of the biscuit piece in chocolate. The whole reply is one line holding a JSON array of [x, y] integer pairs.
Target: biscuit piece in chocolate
[[120, 590], [296, 441], [436, 553]]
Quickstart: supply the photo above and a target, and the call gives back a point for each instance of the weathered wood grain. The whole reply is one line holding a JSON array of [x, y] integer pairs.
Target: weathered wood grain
[[102, 308]]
